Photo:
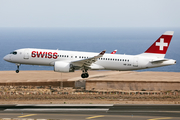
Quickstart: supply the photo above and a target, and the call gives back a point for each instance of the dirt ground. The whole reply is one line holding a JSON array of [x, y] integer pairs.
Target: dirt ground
[[41, 76], [86, 102], [89, 99], [49, 76]]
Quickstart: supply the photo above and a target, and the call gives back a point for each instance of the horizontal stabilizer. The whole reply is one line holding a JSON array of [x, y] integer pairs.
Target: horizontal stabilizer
[[158, 61]]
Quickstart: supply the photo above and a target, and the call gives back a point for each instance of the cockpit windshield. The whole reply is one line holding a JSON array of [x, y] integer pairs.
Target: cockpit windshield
[[14, 53]]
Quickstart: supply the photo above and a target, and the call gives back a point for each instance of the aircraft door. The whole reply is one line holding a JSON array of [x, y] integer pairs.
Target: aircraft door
[[26, 54], [135, 62]]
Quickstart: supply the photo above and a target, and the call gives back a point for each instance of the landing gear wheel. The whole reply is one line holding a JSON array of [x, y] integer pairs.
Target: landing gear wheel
[[87, 75], [17, 71], [84, 75]]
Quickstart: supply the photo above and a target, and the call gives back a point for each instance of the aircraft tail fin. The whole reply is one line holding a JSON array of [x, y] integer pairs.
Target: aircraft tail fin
[[160, 46]]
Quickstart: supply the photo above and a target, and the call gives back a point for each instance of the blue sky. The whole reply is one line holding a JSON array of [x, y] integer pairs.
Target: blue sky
[[89, 13]]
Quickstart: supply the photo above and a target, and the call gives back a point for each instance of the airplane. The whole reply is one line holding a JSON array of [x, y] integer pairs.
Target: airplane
[[114, 52], [69, 61]]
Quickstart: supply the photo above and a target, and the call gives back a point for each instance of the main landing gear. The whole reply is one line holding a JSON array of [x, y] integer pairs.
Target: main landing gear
[[17, 71], [85, 74]]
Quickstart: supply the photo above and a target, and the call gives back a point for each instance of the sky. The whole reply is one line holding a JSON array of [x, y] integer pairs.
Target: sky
[[89, 13]]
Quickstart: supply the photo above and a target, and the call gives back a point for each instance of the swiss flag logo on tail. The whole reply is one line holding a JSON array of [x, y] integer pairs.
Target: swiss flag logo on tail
[[162, 43]]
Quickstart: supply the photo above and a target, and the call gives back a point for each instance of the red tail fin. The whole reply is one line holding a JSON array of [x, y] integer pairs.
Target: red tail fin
[[162, 43]]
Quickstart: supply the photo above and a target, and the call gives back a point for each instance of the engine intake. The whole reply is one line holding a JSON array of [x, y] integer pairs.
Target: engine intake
[[60, 66]]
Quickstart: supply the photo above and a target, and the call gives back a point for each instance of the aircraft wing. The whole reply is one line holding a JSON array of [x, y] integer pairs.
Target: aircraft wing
[[87, 62]]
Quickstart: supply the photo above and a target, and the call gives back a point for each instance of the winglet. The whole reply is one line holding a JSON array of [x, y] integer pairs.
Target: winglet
[[102, 53], [114, 52]]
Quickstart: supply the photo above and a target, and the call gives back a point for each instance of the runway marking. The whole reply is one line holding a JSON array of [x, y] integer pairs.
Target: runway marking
[[95, 117], [59, 109], [160, 118], [101, 105], [26, 115]]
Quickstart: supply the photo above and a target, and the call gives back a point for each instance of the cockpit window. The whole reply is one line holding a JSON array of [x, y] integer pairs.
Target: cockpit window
[[14, 53]]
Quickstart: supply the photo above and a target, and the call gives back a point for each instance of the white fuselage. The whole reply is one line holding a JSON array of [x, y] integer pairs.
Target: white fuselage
[[118, 62]]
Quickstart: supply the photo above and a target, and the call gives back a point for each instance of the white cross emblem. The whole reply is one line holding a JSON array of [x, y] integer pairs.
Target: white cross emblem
[[161, 44]]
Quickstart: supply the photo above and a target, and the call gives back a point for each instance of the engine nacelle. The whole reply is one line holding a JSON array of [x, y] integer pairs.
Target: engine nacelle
[[60, 66]]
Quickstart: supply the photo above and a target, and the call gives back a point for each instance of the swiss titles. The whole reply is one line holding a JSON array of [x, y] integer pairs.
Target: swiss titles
[[40, 54]]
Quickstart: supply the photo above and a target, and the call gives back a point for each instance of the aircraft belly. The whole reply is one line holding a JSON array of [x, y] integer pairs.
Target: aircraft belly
[[37, 61], [113, 66]]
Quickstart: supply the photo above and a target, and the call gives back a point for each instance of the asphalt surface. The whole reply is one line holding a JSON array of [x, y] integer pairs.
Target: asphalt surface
[[91, 111]]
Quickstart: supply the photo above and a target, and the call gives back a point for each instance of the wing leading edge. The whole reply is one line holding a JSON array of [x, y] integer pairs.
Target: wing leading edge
[[87, 62]]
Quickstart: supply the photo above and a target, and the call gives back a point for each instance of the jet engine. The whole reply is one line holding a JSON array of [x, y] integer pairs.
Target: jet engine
[[60, 66]]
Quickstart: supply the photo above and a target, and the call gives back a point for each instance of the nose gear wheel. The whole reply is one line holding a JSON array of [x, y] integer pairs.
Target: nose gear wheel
[[17, 71]]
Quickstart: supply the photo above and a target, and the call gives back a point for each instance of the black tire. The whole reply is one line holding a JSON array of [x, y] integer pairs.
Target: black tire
[[17, 71], [86, 75], [83, 75]]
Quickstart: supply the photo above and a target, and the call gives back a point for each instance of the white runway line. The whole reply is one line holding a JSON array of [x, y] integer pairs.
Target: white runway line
[[62, 109], [106, 105]]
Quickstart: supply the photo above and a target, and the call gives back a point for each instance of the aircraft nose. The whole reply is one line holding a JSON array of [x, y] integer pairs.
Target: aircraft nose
[[6, 58]]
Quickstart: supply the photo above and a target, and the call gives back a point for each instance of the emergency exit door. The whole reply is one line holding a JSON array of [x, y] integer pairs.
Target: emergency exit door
[[26, 54]]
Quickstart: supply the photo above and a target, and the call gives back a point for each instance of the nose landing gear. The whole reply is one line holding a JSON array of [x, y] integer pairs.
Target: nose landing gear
[[17, 71]]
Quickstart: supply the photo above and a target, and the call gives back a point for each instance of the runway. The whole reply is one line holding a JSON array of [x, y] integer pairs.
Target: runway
[[90, 111]]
